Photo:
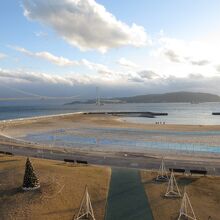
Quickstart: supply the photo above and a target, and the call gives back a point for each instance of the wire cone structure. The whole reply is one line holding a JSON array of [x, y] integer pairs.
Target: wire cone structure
[[85, 210], [30, 181], [162, 173], [186, 210], [172, 189]]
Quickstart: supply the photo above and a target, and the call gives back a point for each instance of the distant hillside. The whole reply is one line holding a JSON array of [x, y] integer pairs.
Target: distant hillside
[[187, 97], [191, 97]]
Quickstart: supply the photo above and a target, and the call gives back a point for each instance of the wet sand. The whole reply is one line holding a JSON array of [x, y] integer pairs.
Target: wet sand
[[100, 126], [18, 128]]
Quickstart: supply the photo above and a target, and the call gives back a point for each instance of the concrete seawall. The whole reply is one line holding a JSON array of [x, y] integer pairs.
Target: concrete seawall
[[131, 114], [215, 113]]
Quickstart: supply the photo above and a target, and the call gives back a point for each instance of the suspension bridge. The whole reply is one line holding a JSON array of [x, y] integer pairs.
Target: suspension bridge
[[33, 96]]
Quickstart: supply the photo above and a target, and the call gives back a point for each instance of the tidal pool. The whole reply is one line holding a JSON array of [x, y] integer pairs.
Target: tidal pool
[[127, 139]]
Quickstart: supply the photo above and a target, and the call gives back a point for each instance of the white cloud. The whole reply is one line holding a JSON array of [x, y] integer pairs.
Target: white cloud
[[136, 81], [24, 76], [95, 66], [126, 63], [172, 56], [85, 24], [199, 52], [2, 56], [58, 60], [177, 57], [200, 62], [101, 71], [62, 61], [144, 77], [195, 76], [180, 58], [148, 74], [103, 75], [40, 34], [218, 68]]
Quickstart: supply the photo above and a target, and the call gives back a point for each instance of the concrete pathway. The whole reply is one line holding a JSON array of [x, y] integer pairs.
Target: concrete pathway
[[127, 199]]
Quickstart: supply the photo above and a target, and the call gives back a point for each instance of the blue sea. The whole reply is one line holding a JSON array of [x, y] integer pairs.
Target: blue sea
[[178, 113]]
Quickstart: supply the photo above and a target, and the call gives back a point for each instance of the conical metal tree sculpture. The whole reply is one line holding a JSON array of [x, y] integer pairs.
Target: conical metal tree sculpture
[[172, 189], [162, 173], [85, 210], [186, 210], [30, 181]]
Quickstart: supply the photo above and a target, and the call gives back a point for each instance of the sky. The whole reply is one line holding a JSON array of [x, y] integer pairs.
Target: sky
[[126, 47]]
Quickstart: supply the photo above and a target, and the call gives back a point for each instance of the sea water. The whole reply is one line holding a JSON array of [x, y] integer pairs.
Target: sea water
[[178, 113], [125, 138]]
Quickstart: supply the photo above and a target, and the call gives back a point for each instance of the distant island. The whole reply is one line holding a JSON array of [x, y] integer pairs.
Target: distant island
[[185, 97], [174, 97]]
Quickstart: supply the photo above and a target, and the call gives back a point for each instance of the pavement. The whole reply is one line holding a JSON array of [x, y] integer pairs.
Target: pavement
[[127, 199], [129, 160]]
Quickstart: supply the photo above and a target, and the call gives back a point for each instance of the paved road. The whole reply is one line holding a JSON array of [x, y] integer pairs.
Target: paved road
[[119, 160], [127, 199]]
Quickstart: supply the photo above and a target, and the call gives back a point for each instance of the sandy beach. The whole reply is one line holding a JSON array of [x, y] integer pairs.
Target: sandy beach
[[19, 127], [108, 134]]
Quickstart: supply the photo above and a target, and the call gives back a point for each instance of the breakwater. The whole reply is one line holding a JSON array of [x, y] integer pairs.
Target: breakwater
[[215, 113], [130, 114]]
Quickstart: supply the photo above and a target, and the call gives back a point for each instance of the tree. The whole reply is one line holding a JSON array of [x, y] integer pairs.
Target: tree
[[30, 181]]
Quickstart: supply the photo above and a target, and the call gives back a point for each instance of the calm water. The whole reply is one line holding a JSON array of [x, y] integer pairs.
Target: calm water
[[179, 113], [116, 142]]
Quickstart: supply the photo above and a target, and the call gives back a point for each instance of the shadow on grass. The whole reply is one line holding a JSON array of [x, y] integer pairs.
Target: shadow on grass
[[174, 216], [6, 161], [146, 182], [18, 190], [185, 181], [162, 195], [73, 211], [159, 182], [11, 191], [72, 165]]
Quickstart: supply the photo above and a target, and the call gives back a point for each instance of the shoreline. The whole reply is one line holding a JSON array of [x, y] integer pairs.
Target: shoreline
[[40, 117], [14, 131], [120, 120]]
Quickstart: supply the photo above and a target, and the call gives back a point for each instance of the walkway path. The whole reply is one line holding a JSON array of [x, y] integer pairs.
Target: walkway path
[[127, 199]]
